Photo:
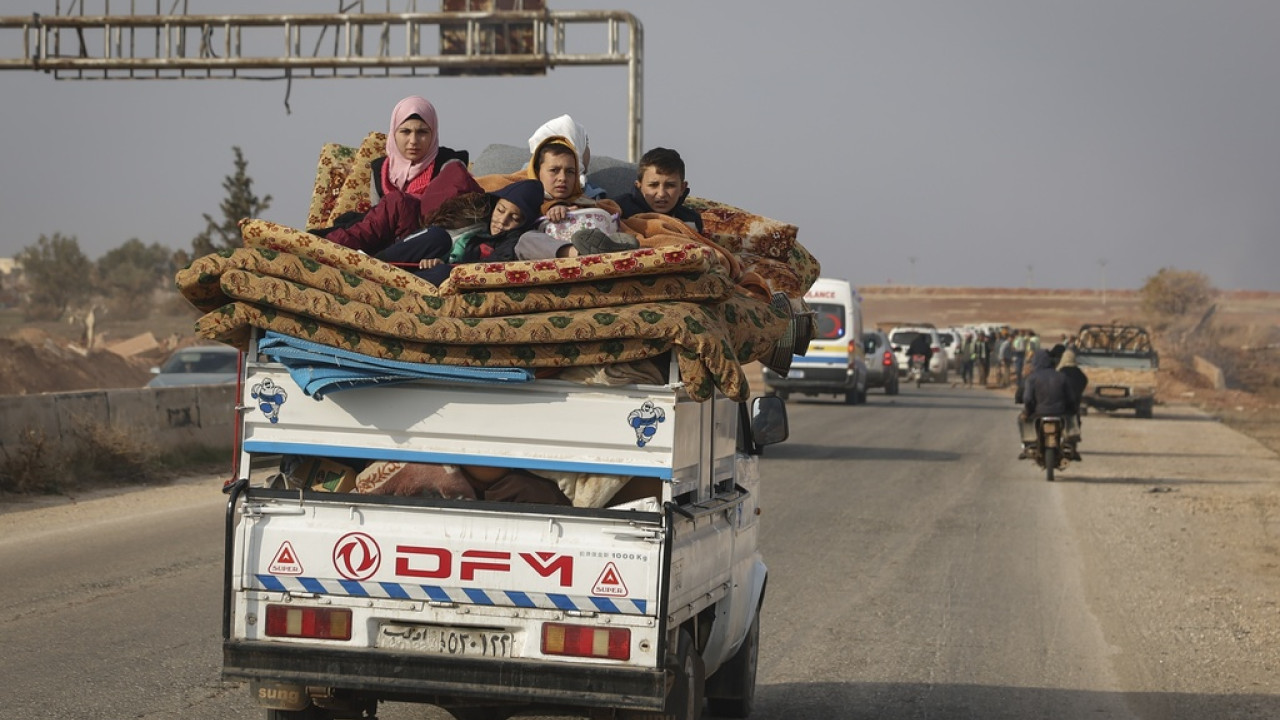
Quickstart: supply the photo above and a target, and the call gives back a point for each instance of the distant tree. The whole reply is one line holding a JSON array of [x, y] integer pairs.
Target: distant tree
[[1173, 293], [57, 274], [129, 274], [180, 259], [239, 204]]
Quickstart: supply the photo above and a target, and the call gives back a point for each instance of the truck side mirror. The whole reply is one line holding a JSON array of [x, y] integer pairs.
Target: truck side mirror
[[769, 420]]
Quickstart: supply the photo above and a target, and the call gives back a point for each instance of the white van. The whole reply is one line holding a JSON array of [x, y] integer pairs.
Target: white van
[[834, 363]]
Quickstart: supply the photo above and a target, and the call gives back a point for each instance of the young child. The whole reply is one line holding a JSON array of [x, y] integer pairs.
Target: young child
[[566, 126], [555, 165], [660, 188], [510, 212]]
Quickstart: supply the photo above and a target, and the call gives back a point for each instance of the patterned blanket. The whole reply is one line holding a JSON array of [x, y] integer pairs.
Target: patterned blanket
[[705, 299]]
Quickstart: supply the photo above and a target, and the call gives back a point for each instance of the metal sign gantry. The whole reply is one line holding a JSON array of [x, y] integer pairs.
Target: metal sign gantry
[[352, 44]]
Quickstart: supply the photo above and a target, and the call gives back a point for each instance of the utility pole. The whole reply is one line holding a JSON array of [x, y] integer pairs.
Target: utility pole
[[1102, 272]]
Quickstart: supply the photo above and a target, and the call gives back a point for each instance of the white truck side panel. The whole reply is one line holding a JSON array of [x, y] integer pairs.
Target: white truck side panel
[[548, 425]]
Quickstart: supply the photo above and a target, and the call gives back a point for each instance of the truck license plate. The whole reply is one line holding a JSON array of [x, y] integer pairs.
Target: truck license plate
[[795, 374], [438, 640]]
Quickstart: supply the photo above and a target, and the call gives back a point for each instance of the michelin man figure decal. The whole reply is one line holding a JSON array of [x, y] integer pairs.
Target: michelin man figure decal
[[270, 399], [645, 422]]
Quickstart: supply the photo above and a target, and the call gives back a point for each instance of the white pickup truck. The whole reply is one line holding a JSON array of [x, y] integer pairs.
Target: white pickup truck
[[334, 601]]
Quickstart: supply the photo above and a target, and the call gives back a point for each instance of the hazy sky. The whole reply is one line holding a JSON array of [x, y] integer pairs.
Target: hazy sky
[[1062, 143]]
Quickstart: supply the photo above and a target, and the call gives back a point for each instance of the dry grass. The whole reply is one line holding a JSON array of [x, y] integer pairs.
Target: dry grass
[[95, 455]]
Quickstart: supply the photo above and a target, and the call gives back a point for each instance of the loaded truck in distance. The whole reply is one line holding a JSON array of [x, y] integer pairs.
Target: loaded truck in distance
[[1121, 364]]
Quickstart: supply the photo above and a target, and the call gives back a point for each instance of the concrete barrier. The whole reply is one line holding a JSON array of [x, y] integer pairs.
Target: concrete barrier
[[1210, 372], [166, 419]]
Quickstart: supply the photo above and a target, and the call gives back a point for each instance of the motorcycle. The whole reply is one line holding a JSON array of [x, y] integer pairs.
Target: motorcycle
[[917, 369], [1051, 450]]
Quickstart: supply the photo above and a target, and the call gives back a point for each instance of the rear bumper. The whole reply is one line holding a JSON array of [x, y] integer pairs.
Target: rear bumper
[[433, 678], [1128, 401], [813, 379], [883, 378]]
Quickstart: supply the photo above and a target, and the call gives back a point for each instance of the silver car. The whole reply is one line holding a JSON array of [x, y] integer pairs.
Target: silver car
[[882, 365], [198, 365]]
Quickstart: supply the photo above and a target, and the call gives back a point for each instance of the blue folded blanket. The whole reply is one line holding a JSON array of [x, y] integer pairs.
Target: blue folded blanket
[[320, 369]]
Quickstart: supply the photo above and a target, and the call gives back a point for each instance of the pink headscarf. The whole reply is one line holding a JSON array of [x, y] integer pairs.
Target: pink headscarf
[[399, 169]]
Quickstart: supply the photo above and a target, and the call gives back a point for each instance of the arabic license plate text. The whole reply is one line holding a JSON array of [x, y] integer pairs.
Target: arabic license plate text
[[470, 642]]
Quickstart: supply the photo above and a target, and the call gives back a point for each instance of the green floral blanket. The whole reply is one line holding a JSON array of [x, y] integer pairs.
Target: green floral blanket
[[542, 314]]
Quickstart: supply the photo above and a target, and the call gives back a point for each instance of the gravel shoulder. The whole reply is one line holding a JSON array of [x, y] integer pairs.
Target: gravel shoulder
[[1178, 521]]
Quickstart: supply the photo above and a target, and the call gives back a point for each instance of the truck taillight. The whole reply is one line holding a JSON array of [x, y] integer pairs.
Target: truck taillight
[[583, 641], [308, 622], [888, 358]]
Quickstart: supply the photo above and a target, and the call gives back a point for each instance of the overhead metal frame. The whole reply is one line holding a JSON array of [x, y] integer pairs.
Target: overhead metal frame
[[361, 45]]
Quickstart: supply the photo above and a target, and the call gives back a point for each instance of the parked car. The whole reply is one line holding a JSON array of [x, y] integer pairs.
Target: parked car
[[947, 340], [882, 365], [197, 365], [901, 337], [952, 338]]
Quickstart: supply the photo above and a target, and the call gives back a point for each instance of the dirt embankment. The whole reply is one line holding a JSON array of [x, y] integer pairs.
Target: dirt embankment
[[41, 357], [48, 366]]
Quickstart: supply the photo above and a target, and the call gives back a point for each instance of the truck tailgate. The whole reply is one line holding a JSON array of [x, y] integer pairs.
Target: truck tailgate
[[474, 553], [448, 597]]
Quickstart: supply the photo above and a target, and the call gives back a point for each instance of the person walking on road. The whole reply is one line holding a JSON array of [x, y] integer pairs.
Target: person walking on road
[[1019, 344], [983, 350], [1004, 358], [968, 358]]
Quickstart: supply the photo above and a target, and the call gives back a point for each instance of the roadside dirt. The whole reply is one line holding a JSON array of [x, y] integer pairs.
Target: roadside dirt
[[1178, 521]]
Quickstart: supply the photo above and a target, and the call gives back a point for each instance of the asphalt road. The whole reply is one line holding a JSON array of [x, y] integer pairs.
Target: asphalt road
[[917, 570]]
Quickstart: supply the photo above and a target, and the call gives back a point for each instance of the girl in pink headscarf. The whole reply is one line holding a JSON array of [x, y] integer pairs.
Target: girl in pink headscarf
[[416, 164]]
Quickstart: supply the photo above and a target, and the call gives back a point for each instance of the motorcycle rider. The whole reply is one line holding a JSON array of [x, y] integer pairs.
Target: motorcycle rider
[[1077, 381], [919, 346], [1044, 392]]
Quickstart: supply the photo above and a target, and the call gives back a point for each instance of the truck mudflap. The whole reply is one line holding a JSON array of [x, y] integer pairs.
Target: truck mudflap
[[432, 678]]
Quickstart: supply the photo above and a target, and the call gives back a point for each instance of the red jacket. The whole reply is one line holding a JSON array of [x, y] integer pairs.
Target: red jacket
[[396, 216], [400, 214]]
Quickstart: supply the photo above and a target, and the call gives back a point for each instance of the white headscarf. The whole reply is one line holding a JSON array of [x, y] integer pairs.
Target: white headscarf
[[567, 127]]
